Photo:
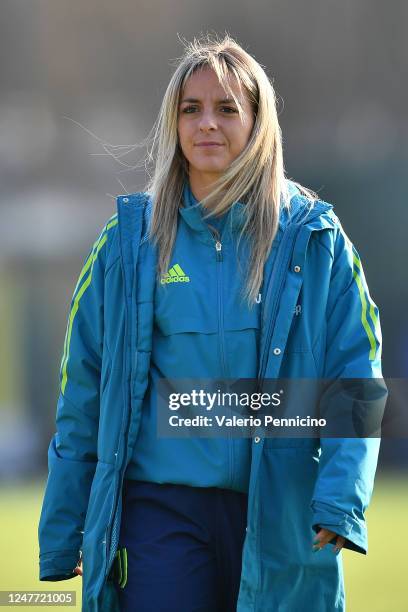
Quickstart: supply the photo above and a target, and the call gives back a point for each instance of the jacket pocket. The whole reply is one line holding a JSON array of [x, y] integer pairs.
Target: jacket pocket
[[186, 324]]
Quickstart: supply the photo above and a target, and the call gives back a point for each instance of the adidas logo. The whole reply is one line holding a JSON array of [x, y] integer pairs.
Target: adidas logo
[[175, 275]]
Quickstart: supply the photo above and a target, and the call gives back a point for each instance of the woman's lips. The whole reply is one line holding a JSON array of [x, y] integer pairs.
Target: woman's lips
[[209, 144]]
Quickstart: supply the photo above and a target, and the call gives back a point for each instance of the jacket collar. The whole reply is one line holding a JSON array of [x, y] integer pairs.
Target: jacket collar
[[192, 212], [318, 215]]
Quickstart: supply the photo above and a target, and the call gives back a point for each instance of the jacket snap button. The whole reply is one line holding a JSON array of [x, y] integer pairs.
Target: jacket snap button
[[297, 268], [277, 351], [257, 439], [125, 200]]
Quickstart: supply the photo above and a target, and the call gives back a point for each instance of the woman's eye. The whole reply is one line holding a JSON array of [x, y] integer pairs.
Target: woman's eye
[[192, 109]]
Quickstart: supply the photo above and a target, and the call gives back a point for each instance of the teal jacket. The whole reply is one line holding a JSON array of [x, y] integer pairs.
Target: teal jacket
[[199, 314], [296, 484]]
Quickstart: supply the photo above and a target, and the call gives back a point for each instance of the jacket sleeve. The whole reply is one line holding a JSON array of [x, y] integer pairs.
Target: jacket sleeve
[[353, 351], [72, 453]]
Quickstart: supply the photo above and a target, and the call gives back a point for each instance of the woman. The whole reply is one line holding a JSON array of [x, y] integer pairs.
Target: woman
[[223, 268]]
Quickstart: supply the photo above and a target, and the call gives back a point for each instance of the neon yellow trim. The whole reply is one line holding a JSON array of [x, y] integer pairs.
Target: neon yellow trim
[[119, 567], [124, 571], [373, 315], [364, 316], [90, 259], [83, 272], [357, 261], [172, 271], [74, 310], [95, 246]]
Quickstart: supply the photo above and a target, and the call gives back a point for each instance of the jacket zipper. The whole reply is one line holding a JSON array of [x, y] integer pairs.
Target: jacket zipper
[[219, 258]]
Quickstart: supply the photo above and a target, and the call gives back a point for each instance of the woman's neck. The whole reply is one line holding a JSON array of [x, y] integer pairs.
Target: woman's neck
[[201, 184]]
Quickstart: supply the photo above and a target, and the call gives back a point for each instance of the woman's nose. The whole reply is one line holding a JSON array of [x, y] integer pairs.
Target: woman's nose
[[207, 122]]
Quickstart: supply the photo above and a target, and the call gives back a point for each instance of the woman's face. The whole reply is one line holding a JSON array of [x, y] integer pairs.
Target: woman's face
[[211, 132]]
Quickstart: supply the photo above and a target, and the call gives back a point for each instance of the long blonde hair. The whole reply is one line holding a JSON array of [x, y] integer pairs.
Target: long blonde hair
[[256, 177]]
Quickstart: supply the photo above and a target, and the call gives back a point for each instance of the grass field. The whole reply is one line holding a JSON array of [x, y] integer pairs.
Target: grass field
[[377, 582]]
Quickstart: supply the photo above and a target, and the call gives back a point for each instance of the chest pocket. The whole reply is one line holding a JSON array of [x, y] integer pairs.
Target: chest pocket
[[186, 306], [205, 327], [206, 301]]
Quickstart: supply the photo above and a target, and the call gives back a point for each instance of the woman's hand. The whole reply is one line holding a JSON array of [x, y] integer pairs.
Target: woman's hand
[[78, 569], [324, 536]]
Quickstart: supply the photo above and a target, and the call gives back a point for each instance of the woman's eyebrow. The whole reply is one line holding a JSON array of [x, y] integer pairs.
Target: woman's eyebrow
[[222, 101]]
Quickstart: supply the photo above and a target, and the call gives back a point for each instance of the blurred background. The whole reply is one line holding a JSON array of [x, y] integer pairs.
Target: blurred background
[[79, 79]]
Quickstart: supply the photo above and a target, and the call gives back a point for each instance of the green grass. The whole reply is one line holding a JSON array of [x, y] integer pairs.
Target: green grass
[[378, 582], [374, 583], [19, 513]]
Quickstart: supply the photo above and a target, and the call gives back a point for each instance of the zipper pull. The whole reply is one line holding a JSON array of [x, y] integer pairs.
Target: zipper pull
[[218, 248]]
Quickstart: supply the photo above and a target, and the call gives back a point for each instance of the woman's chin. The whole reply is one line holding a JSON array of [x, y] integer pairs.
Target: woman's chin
[[209, 168]]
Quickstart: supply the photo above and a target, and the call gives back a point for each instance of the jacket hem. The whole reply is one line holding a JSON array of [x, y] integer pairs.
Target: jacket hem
[[58, 566], [329, 517]]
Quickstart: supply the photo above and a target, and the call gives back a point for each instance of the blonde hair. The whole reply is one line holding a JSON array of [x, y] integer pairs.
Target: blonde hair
[[256, 177]]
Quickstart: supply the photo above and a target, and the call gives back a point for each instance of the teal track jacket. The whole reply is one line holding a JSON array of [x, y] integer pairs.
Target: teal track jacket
[[296, 484]]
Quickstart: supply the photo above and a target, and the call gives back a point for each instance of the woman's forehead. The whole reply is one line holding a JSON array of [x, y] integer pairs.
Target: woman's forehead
[[202, 80]]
